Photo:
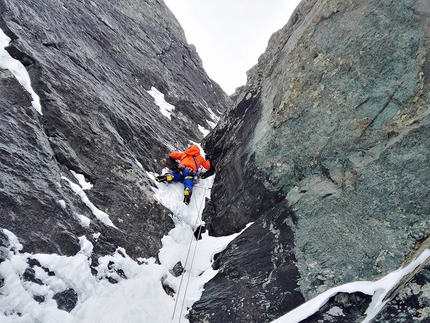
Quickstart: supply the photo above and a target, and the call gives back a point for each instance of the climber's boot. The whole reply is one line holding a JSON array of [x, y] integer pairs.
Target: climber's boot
[[164, 178], [187, 196]]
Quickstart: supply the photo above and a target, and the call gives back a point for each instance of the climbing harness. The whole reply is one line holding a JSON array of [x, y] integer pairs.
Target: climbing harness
[[199, 209]]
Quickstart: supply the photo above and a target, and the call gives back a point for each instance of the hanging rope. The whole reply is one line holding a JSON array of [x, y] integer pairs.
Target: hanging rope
[[186, 260], [192, 259]]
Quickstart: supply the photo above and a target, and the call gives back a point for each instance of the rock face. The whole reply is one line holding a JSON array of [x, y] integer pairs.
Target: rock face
[[92, 63], [325, 150], [328, 141]]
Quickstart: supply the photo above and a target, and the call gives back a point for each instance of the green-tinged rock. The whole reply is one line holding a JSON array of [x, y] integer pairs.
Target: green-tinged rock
[[339, 126]]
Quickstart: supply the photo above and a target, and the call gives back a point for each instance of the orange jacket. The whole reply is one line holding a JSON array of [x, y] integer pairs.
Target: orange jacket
[[186, 158]]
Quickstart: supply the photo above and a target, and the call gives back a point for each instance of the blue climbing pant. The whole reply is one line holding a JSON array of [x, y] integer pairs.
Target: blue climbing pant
[[185, 176]]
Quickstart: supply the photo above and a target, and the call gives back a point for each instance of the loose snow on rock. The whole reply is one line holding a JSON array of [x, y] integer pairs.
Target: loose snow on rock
[[18, 70]]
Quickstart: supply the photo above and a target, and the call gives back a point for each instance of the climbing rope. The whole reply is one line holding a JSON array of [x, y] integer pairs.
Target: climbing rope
[[186, 260]]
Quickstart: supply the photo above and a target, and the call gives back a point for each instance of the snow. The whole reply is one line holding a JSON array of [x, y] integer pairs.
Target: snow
[[138, 295], [79, 190], [206, 107], [211, 124], [62, 204], [83, 220], [81, 179], [18, 70], [379, 289], [166, 109], [203, 130]]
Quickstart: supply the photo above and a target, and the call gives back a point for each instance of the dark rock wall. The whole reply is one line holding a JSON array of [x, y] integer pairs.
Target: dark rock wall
[[91, 63], [257, 276], [333, 126]]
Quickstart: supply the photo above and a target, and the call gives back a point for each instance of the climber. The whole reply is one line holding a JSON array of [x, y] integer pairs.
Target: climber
[[190, 162]]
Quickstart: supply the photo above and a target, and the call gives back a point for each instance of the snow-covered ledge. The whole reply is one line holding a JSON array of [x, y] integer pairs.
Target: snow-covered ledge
[[18, 70], [379, 289]]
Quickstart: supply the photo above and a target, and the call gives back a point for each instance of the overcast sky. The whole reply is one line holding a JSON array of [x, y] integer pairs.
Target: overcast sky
[[230, 35]]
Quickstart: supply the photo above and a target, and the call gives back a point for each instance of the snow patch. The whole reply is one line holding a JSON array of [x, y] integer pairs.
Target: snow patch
[[83, 220], [81, 179], [203, 130], [62, 204], [99, 214], [166, 109]]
